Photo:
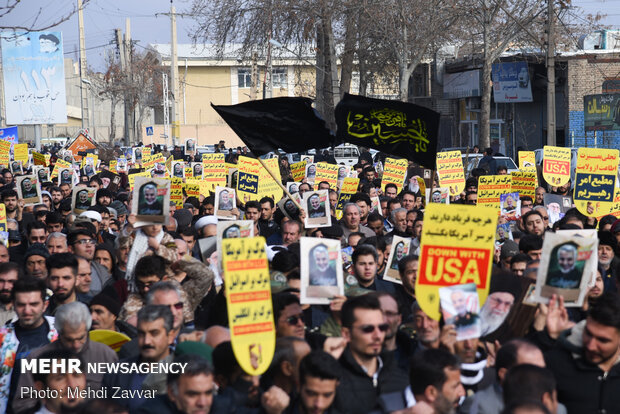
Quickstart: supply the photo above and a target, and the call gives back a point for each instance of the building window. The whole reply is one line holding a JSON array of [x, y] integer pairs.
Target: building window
[[279, 78], [244, 76]]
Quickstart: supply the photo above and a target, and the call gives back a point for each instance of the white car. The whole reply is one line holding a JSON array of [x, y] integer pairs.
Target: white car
[[472, 161]]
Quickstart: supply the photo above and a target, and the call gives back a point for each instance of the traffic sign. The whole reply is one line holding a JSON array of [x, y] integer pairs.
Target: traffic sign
[[149, 130]]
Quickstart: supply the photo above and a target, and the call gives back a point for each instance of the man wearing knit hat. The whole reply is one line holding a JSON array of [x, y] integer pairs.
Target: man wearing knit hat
[[104, 311], [34, 261]]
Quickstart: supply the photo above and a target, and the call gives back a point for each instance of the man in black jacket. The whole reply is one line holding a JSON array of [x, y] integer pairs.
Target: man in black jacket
[[367, 372], [585, 359]]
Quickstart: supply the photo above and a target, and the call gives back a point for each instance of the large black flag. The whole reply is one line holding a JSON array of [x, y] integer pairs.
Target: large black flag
[[290, 124], [398, 128]]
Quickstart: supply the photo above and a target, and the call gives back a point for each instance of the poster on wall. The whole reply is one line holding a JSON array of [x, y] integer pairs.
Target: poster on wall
[[34, 78]]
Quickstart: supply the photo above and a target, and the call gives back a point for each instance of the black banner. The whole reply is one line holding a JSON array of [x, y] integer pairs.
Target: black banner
[[398, 128], [290, 124]]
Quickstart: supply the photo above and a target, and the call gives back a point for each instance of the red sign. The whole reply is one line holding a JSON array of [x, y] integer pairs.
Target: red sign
[[447, 266], [556, 167]]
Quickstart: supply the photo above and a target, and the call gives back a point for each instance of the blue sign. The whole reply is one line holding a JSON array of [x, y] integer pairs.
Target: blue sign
[[149, 131], [511, 82], [9, 134]]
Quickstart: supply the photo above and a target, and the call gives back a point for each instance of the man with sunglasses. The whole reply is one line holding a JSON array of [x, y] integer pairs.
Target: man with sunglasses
[[367, 372]]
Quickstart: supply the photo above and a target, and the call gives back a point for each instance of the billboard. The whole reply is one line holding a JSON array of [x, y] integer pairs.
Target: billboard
[[9, 134], [34, 78], [511, 82], [601, 112]]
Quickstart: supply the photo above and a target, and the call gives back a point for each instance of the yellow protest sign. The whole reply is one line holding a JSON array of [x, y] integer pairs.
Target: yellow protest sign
[[39, 159], [268, 186], [192, 188], [214, 173], [248, 297], [132, 177], [298, 170], [93, 157], [189, 172], [20, 153], [490, 187], [349, 187], [556, 165], [5, 152], [3, 225], [146, 152], [524, 183], [444, 259], [60, 164], [394, 172], [326, 172], [527, 161], [595, 181], [247, 179], [176, 191], [113, 165], [450, 171]]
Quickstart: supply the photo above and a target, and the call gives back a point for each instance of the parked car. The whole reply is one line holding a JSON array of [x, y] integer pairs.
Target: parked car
[[473, 160]]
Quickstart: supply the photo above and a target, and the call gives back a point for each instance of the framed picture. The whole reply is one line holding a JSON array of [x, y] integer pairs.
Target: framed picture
[[151, 198], [231, 230], [17, 167], [310, 172], [190, 146], [510, 205], [460, 307], [83, 198], [225, 203], [197, 170], [42, 173], [320, 270], [137, 155], [178, 169], [65, 176], [28, 189], [400, 249], [316, 204]]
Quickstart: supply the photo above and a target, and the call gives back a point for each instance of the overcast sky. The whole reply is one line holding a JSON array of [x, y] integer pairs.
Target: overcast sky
[[101, 17]]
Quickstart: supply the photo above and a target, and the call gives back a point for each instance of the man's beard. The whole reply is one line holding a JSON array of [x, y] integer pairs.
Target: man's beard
[[490, 321], [5, 297], [442, 405], [64, 296]]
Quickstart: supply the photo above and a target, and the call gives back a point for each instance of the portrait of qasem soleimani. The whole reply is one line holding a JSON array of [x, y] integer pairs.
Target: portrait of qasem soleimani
[[178, 170], [322, 270], [150, 203], [29, 190], [225, 201], [565, 271], [82, 201]]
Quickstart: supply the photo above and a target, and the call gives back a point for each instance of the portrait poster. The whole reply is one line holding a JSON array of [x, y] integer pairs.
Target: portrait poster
[[121, 165], [308, 159], [136, 155], [110, 180], [568, 265], [197, 170], [67, 156], [66, 176], [42, 173], [316, 204], [450, 171], [458, 243], [400, 248], [510, 205], [460, 307], [151, 200], [231, 179], [248, 300], [503, 233], [298, 170], [595, 181], [17, 167], [82, 198], [89, 166], [235, 229], [375, 205], [439, 195], [292, 187], [178, 169], [28, 189], [320, 270], [288, 208], [557, 206], [556, 165], [344, 171], [225, 203], [159, 170], [310, 172], [190, 146]]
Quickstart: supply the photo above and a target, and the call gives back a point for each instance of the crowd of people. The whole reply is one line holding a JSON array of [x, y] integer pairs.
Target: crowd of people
[[373, 350]]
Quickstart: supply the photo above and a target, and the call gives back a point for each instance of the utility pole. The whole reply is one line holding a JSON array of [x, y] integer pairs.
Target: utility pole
[[550, 73], [129, 104], [174, 75], [83, 92], [254, 77]]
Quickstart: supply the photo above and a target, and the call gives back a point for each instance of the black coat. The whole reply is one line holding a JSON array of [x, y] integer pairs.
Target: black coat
[[357, 393], [582, 387], [162, 405]]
